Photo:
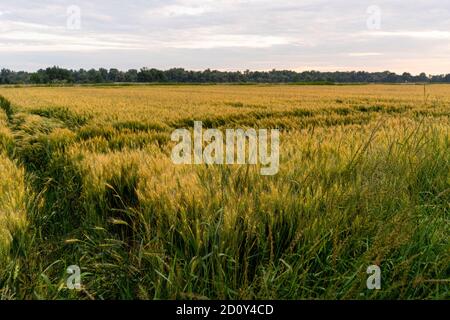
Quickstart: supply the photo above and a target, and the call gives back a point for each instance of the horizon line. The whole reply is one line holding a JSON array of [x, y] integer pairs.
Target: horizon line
[[225, 70]]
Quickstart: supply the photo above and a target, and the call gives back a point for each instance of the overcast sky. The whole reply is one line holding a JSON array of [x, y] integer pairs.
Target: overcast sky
[[396, 35]]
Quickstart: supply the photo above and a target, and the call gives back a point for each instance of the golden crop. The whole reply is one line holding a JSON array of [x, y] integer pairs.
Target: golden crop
[[364, 179]]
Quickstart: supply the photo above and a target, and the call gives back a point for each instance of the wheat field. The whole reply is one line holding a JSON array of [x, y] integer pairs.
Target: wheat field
[[87, 180]]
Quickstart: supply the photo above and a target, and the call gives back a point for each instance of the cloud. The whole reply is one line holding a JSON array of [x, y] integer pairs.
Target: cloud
[[230, 40], [427, 34], [228, 34], [3, 13], [21, 37], [29, 37], [177, 10], [365, 54]]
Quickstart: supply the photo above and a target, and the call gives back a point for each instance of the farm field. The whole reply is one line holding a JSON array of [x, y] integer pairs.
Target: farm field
[[87, 180]]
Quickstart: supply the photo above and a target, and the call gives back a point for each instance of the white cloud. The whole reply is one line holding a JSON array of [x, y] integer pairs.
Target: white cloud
[[208, 40], [3, 13], [427, 34], [28, 37], [365, 54], [260, 34], [177, 10]]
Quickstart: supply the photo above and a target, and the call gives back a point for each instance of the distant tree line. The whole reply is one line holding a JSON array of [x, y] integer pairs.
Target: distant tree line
[[58, 75]]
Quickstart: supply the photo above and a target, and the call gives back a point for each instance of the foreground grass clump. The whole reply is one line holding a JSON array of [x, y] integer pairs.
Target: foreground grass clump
[[12, 190], [12, 202], [364, 179]]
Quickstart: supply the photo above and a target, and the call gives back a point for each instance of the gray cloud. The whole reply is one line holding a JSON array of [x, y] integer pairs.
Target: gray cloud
[[228, 34]]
